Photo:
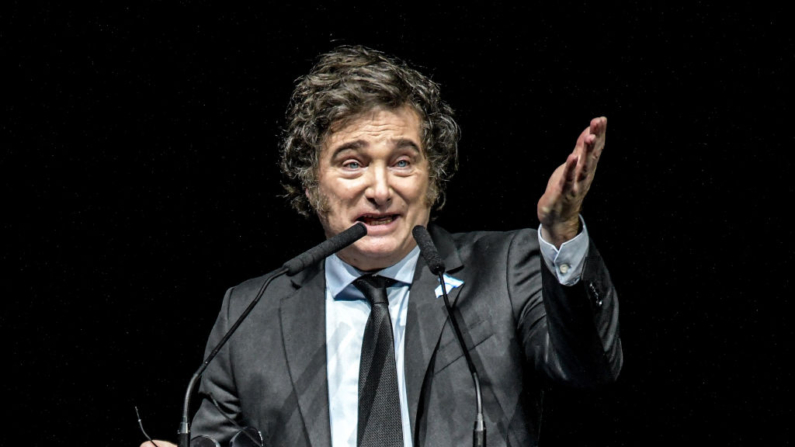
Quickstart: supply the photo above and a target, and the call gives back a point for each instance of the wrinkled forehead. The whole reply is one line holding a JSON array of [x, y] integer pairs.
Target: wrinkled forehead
[[404, 120]]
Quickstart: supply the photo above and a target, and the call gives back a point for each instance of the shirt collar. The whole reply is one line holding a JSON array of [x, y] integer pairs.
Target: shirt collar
[[340, 274]]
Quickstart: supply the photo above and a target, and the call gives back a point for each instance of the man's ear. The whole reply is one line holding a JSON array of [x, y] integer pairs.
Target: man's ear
[[311, 197]]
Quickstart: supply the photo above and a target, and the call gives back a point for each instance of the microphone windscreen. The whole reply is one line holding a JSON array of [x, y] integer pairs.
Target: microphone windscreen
[[326, 248], [428, 250]]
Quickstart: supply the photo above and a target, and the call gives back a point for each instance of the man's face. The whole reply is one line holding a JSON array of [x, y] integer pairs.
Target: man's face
[[374, 170]]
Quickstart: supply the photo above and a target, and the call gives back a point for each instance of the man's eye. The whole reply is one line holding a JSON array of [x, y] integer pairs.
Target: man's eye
[[402, 164], [351, 165]]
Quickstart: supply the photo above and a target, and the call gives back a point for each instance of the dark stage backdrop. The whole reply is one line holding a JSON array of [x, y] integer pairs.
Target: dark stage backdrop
[[140, 181]]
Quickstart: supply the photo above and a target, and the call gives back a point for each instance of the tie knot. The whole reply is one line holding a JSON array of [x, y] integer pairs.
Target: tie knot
[[374, 288]]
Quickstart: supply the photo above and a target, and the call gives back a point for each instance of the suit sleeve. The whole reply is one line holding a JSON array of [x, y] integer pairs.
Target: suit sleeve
[[569, 333]]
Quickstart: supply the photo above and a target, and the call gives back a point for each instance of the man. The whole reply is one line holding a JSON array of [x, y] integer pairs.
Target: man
[[369, 140]]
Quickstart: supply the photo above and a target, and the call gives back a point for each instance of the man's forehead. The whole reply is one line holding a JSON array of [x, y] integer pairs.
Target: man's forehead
[[392, 125]]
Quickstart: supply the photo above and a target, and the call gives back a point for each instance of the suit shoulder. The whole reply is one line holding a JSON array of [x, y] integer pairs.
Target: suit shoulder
[[246, 291], [496, 239]]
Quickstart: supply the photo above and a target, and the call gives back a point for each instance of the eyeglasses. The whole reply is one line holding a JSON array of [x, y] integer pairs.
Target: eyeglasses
[[244, 437]]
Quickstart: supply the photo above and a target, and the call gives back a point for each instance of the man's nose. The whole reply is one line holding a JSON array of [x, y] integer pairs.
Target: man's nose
[[378, 190]]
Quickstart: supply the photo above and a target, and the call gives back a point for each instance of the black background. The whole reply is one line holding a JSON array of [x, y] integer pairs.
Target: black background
[[140, 180]]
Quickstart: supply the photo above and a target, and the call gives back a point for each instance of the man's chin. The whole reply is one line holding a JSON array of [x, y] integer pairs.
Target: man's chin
[[371, 257]]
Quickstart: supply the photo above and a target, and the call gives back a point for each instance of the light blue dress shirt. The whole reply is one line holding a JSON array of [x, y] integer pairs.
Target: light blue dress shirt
[[347, 311]]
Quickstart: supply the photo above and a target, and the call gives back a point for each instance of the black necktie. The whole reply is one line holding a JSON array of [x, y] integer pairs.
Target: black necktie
[[379, 403]]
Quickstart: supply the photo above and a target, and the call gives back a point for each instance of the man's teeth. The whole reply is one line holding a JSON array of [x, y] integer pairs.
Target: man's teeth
[[378, 220]]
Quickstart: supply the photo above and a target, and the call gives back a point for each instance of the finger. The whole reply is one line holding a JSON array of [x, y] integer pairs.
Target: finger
[[592, 147], [582, 141], [599, 128], [569, 173], [586, 161], [159, 443], [598, 125]]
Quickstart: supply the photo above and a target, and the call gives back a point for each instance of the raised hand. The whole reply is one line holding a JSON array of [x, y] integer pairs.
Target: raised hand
[[559, 207]]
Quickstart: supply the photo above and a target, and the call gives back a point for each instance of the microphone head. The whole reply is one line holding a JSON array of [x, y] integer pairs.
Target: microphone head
[[351, 235], [326, 248], [428, 250]]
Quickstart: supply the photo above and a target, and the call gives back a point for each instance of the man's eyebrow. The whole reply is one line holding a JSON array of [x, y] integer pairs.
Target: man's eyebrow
[[349, 146], [405, 142], [359, 144]]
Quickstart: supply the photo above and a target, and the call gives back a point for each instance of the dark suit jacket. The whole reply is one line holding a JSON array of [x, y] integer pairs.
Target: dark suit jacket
[[521, 326]]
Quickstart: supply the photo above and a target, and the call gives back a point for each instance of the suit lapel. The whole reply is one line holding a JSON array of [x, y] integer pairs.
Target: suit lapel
[[303, 323], [426, 318]]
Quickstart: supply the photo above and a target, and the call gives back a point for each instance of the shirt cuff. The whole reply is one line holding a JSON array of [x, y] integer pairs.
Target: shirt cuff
[[568, 261]]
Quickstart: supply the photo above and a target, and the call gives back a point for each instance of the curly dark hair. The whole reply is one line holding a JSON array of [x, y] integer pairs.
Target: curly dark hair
[[345, 83]]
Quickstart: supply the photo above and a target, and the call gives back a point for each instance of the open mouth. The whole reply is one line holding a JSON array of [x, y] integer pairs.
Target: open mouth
[[373, 220]]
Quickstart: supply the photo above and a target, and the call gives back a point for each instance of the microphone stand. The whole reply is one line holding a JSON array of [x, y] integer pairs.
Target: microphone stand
[[183, 434], [479, 431], [436, 266]]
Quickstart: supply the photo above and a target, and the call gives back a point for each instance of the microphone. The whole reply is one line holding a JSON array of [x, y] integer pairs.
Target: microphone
[[291, 267], [436, 266], [325, 249], [428, 250]]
